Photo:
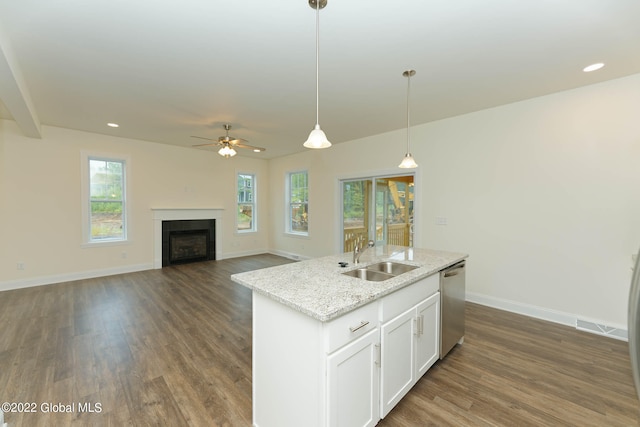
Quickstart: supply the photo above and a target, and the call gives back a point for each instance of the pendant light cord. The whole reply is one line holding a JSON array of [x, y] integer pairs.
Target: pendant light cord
[[317, 63], [408, 92]]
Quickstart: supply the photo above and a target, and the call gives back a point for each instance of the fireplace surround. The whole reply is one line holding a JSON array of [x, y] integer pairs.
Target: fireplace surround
[[161, 215]]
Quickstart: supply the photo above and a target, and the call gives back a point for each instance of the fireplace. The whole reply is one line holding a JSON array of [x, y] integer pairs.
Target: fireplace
[[185, 241], [162, 215]]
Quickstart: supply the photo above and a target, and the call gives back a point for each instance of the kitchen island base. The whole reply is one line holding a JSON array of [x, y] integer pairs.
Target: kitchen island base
[[350, 371]]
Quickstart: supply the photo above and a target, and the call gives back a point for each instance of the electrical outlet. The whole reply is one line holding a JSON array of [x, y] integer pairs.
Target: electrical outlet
[[20, 266], [124, 255], [441, 220]]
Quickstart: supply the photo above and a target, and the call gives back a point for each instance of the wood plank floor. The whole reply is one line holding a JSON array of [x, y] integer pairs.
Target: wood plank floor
[[172, 347]]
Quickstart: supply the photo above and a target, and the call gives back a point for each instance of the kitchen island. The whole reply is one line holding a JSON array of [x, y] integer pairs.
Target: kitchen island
[[330, 349]]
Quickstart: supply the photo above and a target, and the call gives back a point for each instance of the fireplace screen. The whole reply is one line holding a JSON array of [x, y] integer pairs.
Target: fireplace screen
[[188, 245], [188, 241]]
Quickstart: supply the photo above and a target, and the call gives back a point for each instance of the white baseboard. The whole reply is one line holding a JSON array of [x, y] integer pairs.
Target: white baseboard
[[295, 257], [50, 280], [588, 325], [228, 255]]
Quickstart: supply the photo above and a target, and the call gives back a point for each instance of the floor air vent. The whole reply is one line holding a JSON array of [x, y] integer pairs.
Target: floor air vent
[[599, 329]]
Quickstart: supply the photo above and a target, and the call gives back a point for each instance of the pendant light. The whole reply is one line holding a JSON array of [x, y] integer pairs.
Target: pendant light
[[408, 162], [317, 138]]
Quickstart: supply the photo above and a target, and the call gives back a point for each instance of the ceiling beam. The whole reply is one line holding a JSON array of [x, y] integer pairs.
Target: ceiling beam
[[14, 92]]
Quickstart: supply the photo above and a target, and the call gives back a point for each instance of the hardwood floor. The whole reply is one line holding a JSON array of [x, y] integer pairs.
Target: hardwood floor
[[173, 347]]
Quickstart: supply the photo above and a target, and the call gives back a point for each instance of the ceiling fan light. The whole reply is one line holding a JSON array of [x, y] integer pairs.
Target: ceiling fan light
[[408, 162], [227, 151], [317, 139]]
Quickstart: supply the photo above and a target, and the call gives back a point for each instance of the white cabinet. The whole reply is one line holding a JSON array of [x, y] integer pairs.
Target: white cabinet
[[347, 372], [352, 377], [427, 335], [398, 362], [409, 340], [311, 373]]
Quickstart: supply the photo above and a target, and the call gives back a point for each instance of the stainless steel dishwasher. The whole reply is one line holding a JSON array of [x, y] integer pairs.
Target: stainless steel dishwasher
[[452, 298]]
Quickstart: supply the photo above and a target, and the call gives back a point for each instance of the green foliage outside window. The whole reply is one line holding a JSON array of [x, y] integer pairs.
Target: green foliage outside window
[[299, 202], [106, 196]]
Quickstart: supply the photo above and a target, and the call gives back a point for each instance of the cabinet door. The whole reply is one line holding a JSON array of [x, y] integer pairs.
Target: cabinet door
[[397, 359], [353, 383], [427, 336]]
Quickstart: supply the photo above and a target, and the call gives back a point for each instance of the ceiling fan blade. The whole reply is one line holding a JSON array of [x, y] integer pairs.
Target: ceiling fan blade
[[212, 144], [201, 137], [250, 147], [227, 141]]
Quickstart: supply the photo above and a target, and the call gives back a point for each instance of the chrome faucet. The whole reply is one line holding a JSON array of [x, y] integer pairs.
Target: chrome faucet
[[358, 249]]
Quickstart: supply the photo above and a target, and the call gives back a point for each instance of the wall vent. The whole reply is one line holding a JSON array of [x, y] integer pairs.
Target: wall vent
[[596, 328]]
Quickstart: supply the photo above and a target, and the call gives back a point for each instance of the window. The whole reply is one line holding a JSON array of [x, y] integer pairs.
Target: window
[[246, 218], [298, 203], [106, 204]]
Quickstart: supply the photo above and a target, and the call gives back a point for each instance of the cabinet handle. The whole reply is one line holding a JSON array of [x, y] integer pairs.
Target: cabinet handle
[[361, 325], [419, 325]]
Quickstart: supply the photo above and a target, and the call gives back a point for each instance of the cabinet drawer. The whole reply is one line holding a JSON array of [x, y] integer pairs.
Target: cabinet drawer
[[350, 326], [402, 299]]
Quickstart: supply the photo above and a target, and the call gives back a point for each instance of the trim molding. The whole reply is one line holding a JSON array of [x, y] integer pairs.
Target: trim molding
[[228, 255], [555, 316], [290, 255], [50, 280]]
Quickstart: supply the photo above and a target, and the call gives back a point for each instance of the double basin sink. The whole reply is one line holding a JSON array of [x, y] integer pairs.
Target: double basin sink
[[381, 271]]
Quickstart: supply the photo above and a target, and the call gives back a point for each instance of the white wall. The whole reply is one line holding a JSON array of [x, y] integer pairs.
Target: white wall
[[543, 194], [40, 193]]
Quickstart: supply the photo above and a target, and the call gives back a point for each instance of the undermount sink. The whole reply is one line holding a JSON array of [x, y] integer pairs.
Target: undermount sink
[[380, 271], [371, 275], [392, 268]]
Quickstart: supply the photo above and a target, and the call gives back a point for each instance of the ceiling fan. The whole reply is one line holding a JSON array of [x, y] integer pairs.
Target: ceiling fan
[[228, 144]]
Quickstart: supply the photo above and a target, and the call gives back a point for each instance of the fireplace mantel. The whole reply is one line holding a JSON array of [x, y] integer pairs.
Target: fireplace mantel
[[173, 214]]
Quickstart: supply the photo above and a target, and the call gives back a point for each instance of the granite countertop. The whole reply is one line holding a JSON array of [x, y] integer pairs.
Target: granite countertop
[[317, 288]]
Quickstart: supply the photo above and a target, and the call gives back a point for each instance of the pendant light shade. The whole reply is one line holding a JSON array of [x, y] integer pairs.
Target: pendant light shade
[[408, 162], [317, 138]]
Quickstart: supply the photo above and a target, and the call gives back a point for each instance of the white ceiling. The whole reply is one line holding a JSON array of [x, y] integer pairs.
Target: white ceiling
[[165, 70]]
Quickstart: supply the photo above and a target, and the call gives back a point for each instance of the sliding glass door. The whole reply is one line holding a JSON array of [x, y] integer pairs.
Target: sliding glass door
[[378, 209]]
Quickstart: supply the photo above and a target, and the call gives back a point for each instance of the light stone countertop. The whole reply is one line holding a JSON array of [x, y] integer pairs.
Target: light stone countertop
[[317, 288]]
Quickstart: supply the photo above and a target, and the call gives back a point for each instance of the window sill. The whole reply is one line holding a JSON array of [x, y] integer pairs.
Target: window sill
[[243, 232], [105, 243], [296, 235]]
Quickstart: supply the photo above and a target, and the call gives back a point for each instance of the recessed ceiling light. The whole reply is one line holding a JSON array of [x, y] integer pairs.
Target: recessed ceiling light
[[113, 125], [256, 150], [593, 67]]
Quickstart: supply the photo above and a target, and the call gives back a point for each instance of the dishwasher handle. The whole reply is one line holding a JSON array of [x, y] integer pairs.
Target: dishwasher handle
[[453, 271]]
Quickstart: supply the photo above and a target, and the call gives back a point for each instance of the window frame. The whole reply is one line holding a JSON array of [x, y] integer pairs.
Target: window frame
[[87, 240], [288, 204], [253, 203]]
